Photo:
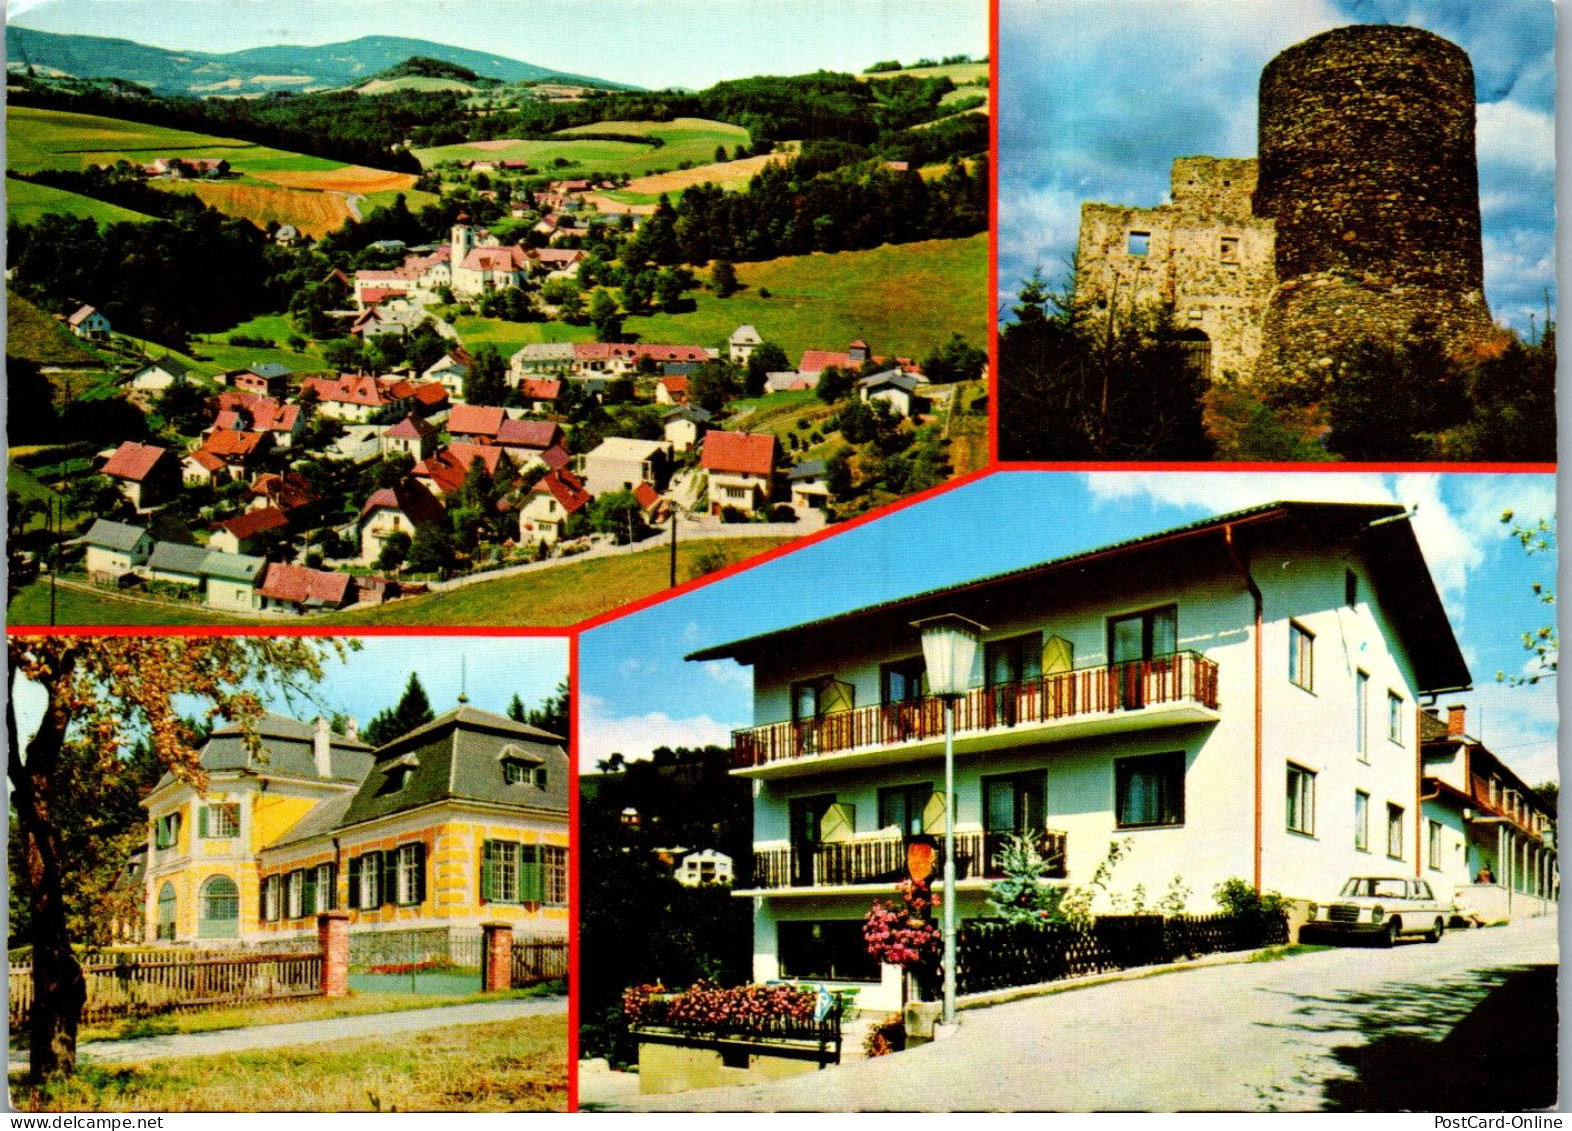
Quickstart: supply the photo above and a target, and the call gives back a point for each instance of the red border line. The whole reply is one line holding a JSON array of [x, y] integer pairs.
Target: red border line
[[575, 857]]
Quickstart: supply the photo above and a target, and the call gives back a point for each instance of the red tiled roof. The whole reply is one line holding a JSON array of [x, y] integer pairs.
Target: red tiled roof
[[605, 351], [540, 390], [373, 295], [254, 522], [411, 428], [537, 434], [207, 460], [349, 388], [676, 386], [447, 468], [745, 453], [566, 256], [134, 461], [285, 582], [411, 498], [475, 420], [556, 457], [646, 495], [81, 315], [816, 361], [431, 394], [496, 259], [228, 444], [565, 487], [287, 491]]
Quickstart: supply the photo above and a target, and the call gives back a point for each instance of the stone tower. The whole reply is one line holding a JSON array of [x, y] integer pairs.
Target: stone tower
[[1367, 170]]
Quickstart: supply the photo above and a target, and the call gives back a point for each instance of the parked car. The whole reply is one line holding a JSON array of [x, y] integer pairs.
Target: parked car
[[1383, 908]]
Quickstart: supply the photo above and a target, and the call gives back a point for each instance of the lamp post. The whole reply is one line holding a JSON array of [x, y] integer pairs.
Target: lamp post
[[949, 648]]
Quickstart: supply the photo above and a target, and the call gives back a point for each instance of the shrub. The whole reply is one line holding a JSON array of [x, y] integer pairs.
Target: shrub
[[1238, 897], [707, 562], [886, 1036], [734, 514], [781, 512]]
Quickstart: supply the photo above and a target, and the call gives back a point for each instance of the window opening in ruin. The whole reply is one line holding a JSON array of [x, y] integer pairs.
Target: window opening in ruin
[[1228, 250], [1140, 243]]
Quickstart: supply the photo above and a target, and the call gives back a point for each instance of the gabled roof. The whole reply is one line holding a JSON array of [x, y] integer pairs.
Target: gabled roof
[[113, 535], [135, 461], [412, 428], [475, 420], [460, 756], [269, 370], [624, 448], [177, 557], [537, 389], [232, 567], [690, 412], [229, 444], [288, 491], [745, 335], [411, 498], [676, 386], [556, 457], [745, 453], [1401, 578], [645, 495], [431, 394], [254, 522], [170, 365], [286, 582], [807, 469], [207, 460], [537, 434], [82, 315], [896, 378], [565, 487]]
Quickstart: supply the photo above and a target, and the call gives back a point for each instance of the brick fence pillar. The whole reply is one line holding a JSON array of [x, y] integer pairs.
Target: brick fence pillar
[[499, 956], [333, 938]]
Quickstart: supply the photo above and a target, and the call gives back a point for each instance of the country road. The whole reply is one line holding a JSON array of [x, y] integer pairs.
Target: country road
[[1465, 1025]]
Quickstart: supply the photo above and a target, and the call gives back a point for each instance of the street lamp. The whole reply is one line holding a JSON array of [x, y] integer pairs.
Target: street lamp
[[949, 648]]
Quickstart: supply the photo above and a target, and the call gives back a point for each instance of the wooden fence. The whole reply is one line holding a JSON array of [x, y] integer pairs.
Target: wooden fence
[[136, 985], [539, 960], [994, 955]]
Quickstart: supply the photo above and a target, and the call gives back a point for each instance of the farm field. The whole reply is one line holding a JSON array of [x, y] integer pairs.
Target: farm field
[[958, 73], [414, 82], [26, 203], [312, 193], [731, 175], [901, 298], [687, 139]]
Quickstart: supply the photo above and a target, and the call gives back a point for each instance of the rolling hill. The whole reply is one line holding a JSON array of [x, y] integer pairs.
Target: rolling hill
[[254, 70]]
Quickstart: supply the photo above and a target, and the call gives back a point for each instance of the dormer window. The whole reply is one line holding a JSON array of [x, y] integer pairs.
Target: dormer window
[[399, 773], [520, 768]]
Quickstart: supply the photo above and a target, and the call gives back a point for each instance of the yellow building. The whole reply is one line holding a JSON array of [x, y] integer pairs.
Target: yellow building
[[459, 822]]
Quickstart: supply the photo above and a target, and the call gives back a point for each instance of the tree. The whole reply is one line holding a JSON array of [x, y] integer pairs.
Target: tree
[[552, 715], [834, 383], [1543, 644], [723, 278], [618, 513], [395, 551], [487, 380], [412, 710], [713, 384], [956, 360], [766, 358], [103, 692], [432, 550], [605, 317], [184, 408]]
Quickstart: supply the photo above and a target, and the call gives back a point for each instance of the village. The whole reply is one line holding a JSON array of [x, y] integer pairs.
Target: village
[[270, 491]]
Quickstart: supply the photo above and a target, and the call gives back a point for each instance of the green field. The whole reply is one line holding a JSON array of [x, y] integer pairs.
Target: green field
[[223, 357], [510, 337], [414, 82], [32, 334], [901, 298], [959, 73], [568, 594], [687, 139], [26, 203], [56, 139]]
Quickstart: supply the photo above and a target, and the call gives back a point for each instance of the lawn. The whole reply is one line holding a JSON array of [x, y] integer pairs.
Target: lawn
[[510, 337], [959, 73], [573, 592], [32, 334], [901, 298], [519, 1065], [565, 595], [687, 139], [26, 203]]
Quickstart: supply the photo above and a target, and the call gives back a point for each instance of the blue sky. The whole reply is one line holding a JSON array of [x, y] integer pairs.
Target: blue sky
[[1098, 96], [368, 681], [637, 692], [649, 43]]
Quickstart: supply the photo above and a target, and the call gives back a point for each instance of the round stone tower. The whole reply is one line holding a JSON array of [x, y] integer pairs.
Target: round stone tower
[[1367, 169]]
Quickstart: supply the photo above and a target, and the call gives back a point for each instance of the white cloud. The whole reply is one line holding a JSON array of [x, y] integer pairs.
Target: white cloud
[[636, 736], [729, 674], [1518, 724], [1510, 136]]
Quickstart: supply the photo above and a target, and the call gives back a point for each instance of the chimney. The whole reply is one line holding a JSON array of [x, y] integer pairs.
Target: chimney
[[352, 729], [1454, 719], [321, 748]]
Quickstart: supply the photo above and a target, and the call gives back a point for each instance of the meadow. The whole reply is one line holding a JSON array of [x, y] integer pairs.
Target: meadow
[[27, 203], [686, 139]]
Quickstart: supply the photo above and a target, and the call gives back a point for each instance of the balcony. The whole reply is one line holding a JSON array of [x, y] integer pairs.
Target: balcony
[[1172, 690], [879, 862]]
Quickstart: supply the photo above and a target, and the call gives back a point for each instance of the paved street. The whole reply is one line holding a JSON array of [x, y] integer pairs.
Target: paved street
[[1469, 1024], [291, 1034]]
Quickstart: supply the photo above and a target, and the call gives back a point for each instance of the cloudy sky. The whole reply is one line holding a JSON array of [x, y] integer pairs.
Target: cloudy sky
[[371, 680], [1098, 96], [637, 691], [649, 43]]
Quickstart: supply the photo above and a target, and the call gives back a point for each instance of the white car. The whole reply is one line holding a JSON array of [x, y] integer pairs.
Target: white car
[[1383, 907]]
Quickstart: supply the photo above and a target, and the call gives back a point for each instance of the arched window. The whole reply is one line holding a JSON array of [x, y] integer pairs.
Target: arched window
[[220, 909], [166, 912]]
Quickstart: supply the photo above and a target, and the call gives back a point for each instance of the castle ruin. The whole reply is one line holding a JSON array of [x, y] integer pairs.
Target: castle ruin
[[1359, 219]]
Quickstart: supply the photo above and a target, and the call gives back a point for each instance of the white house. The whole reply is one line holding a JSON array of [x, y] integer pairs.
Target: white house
[[1163, 692], [115, 548], [743, 341], [684, 425], [809, 485], [620, 464], [896, 389], [741, 469], [89, 324], [159, 375], [706, 866]]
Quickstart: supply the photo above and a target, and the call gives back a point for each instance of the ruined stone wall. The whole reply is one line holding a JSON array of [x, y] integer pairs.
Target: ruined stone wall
[[1367, 167], [1206, 260]]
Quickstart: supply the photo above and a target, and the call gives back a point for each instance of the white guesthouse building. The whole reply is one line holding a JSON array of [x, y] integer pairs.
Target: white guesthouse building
[[1237, 698]]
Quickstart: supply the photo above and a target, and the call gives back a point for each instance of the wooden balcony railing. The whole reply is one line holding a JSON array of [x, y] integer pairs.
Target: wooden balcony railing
[[1083, 692], [883, 860]]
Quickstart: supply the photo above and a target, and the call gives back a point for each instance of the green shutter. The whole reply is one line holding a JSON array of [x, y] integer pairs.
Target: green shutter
[[488, 872], [308, 891], [261, 902], [419, 893], [354, 881], [332, 899], [202, 822], [388, 875], [532, 885]]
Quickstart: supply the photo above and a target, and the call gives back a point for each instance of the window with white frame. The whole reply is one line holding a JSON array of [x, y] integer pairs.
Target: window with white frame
[[554, 863], [1361, 820], [1301, 800], [219, 822], [1394, 831], [1434, 845], [272, 898], [1362, 715], [1301, 656], [369, 888], [1394, 717], [295, 894], [409, 885], [327, 885], [499, 871]]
